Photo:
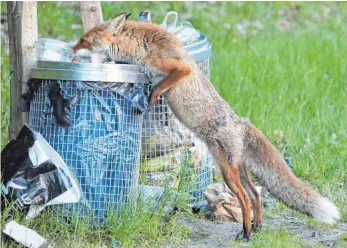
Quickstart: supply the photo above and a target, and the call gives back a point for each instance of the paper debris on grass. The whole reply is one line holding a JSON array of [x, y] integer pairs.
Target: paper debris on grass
[[223, 203]]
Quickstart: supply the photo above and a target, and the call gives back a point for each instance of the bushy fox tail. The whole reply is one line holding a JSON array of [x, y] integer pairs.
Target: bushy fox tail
[[265, 162]]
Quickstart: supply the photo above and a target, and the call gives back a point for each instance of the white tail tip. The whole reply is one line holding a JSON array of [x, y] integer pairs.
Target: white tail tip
[[325, 211]]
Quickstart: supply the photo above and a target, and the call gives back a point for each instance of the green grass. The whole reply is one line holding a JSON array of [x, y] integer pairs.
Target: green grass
[[276, 238], [279, 238], [291, 81], [342, 242], [138, 228], [318, 225]]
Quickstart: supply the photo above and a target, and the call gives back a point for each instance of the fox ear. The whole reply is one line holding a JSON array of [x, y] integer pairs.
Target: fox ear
[[116, 23]]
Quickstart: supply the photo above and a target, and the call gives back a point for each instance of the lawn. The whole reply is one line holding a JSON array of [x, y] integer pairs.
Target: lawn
[[282, 65]]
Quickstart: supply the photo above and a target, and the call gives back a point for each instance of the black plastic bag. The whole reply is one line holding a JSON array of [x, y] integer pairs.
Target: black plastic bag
[[33, 173]]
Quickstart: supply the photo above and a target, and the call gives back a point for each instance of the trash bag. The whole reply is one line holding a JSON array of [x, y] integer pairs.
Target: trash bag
[[182, 30], [33, 173]]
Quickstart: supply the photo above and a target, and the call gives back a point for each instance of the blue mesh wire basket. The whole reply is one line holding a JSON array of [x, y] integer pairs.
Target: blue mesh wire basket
[[101, 144]]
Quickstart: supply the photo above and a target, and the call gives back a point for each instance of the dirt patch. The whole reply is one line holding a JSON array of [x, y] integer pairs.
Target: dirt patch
[[214, 234], [207, 233]]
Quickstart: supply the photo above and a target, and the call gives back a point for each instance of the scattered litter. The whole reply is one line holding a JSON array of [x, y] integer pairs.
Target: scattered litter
[[114, 244], [23, 235], [223, 203], [34, 175]]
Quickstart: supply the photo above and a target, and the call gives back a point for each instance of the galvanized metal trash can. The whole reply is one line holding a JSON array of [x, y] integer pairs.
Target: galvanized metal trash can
[[171, 156], [102, 143]]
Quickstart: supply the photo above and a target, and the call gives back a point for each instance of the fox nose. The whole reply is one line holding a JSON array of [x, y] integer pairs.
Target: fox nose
[[75, 48]]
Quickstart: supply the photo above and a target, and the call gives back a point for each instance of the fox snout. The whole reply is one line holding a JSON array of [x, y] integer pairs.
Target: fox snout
[[78, 46], [75, 48], [82, 44]]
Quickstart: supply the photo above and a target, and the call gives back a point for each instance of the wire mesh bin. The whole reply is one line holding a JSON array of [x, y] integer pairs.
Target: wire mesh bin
[[101, 106], [170, 155]]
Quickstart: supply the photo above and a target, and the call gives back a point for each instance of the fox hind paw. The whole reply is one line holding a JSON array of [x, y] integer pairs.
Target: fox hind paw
[[255, 226], [241, 235]]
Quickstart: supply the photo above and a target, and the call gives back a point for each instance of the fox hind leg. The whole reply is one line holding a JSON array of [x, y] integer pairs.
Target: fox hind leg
[[231, 177], [254, 196]]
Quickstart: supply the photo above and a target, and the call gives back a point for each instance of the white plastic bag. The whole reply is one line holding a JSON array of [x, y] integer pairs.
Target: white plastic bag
[[182, 30]]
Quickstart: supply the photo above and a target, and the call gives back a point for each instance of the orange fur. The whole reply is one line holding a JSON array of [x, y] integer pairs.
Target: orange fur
[[234, 143], [175, 71]]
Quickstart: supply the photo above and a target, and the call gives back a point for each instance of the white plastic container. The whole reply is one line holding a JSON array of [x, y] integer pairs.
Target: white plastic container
[[53, 50]]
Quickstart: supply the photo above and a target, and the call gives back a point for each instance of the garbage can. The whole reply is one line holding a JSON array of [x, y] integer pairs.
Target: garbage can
[[101, 142], [171, 156]]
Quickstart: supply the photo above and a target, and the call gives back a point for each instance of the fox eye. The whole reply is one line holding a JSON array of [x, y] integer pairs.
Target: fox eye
[[96, 39], [82, 40]]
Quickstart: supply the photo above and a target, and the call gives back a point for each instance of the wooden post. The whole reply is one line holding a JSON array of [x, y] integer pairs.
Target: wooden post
[[22, 29], [91, 14]]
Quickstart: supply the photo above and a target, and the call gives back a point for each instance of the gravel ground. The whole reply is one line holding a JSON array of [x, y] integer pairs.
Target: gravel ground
[[214, 234], [207, 233]]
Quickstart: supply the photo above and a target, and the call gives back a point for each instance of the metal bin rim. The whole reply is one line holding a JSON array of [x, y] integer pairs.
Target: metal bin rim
[[121, 73], [200, 49]]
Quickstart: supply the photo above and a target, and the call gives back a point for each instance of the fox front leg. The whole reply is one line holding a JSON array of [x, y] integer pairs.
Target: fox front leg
[[174, 69]]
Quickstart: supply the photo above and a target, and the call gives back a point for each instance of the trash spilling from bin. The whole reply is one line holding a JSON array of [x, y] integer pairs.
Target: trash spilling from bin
[[33, 177], [33, 174]]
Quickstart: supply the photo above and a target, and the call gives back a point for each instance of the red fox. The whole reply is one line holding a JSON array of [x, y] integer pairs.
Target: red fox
[[236, 145]]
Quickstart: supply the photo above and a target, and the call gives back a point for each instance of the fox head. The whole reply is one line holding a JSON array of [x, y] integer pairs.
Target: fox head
[[99, 38]]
